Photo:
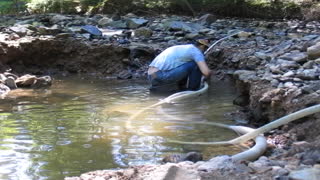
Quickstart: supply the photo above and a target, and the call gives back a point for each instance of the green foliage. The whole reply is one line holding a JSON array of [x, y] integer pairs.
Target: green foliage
[[12, 6], [244, 8], [48, 6], [5, 6]]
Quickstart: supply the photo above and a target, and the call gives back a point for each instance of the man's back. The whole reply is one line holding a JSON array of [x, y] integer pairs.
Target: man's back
[[175, 56]]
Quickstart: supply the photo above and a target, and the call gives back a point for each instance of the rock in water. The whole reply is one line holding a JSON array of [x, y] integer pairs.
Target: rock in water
[[175, 158]]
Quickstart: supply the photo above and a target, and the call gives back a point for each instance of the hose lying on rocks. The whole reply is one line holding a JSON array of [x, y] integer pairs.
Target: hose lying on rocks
[[254, 152], [272, 125], [249, 155]]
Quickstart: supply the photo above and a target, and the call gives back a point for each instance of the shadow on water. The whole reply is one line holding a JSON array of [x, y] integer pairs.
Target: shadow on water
[[78, 125]]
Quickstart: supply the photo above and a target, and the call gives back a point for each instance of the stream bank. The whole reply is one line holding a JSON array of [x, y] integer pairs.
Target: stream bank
[[275, 66]]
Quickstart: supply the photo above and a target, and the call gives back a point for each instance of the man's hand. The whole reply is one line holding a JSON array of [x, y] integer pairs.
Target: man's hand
[[204, 68]]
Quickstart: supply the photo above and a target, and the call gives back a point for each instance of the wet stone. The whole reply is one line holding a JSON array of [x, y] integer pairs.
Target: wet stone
[[295, 56], [175, 158], [124, 75], [305, 174], [314, 51], [134, 23], [91, 30], [10, 82], [207, 19]]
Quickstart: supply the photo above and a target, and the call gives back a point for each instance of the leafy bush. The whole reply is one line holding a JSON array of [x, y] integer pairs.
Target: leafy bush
[[48, 6], [5, 7], [12, 6], [239, 8]]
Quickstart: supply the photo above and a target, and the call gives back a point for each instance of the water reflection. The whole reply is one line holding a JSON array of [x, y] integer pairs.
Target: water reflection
[[79, 125]]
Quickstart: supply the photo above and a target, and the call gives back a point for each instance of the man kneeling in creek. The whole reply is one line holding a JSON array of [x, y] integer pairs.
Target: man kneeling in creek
[[179, 68]]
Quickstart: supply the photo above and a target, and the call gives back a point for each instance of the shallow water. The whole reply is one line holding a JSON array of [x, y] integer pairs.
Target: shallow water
[[81, 124]]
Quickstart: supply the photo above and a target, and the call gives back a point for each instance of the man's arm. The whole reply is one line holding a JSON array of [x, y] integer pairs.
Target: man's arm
[[204, 68]]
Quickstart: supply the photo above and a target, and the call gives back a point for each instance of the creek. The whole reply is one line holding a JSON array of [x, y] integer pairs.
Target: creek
[[79, 125]]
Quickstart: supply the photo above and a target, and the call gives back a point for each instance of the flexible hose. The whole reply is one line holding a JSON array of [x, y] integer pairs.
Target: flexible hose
[[220, 41], [249, 155], [263, 129], [254, 152], [175, 97]]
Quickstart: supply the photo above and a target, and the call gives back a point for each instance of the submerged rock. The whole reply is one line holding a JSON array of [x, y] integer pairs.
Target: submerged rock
[[176, 158], [33, 81], [3, 90], [26, 80]]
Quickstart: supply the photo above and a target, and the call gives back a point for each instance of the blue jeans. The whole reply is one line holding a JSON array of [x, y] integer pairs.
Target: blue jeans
[[184, 77]]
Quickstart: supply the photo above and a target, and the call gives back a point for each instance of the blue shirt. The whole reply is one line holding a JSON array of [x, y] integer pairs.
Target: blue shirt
[[175, 56]]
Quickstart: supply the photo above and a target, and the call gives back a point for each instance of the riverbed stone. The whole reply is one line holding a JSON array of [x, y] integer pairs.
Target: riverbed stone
[[295, 56], [308, 65], [192, 36], [104, 21], [26, 80], [222, 166], [245, 75], [305, 174], [308, 74], [175, 158], [134, 23], [3, 90], [286, 64], [20, 30], [207, 19], [120, 24], [143, 32], [55, 29], [41, 82], [59, 18], [261, 55], [182, 26], [64, 35], [314, 51], [10, 82], [288, 74], [91, 30], [124, 75]]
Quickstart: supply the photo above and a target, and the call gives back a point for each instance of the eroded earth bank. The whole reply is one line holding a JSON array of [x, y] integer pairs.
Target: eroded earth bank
[[275, 66]]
